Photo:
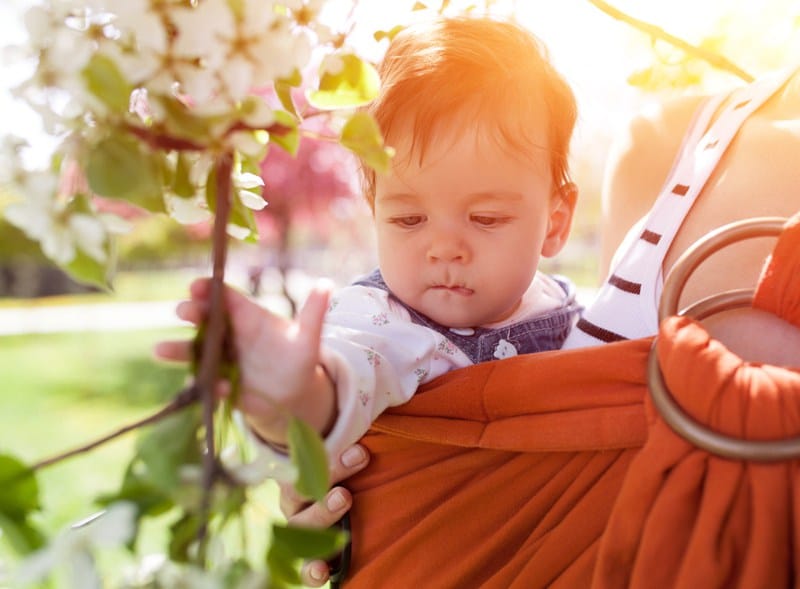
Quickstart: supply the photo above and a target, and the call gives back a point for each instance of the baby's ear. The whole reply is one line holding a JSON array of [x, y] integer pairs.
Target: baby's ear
[[559, 222]]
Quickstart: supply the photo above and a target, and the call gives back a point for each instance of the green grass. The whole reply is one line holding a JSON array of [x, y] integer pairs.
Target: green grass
[[154, 285], [63, 390]]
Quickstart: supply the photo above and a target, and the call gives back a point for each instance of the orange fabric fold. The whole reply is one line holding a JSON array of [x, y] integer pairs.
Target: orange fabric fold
[[779, 283], [502, 475]]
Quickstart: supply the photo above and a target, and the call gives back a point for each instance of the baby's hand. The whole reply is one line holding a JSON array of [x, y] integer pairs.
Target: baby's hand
[[278, 359]]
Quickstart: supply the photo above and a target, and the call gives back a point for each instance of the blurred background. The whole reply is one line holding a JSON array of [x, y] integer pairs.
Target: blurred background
[[75, 362]]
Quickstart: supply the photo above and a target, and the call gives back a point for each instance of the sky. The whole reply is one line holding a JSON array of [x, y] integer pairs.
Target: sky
[[595, 52]]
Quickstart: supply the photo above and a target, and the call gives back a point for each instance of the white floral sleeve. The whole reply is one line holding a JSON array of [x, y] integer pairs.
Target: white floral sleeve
[[377, 357]]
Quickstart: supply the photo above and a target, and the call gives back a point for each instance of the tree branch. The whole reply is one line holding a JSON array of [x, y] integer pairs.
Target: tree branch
[[158, 139], [215, 328], [716, 60], [186, 397]]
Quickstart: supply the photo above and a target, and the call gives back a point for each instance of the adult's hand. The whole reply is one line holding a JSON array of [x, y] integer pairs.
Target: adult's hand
[[325, 513]]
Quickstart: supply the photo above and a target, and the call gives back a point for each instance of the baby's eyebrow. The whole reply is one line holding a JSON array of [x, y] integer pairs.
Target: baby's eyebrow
[[398, 197], [496, 195]]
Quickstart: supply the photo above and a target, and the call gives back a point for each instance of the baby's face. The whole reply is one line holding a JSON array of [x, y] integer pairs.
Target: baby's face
[[461, 233]]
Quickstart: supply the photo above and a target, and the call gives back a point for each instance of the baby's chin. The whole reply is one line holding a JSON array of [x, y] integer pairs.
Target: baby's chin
[[455, 320]]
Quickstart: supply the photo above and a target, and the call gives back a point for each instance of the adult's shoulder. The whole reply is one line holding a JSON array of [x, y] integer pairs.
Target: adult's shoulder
[[639, 160]]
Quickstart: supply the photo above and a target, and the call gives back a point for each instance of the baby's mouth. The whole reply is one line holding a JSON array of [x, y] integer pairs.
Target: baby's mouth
[[454, 288]]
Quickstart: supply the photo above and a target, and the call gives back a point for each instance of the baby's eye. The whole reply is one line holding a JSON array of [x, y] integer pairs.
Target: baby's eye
[[489, 220], [408, 220]]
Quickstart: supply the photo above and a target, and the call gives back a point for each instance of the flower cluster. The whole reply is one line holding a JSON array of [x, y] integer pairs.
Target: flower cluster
[[144, 95]]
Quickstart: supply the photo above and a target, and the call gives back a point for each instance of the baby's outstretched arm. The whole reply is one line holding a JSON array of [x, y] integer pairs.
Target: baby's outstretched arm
[[280, 373]]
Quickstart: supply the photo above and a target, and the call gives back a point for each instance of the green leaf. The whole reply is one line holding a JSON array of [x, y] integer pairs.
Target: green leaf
[[169, 445], [305, 543], [20, 534], [19, 490], [19, 497], [137, 489], [183, 534], [362, 136], [288, 140], [390, 34], [292, 544], [283, 567], [355, 85], [118, 167], [307, 453], [183, 122], [237, 573], [283, 88], [87, 270], [181, 183], [106, 82], [211, 189]]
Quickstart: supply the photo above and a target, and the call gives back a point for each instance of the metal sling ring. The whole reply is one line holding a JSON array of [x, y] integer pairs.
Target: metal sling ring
[[685, 426]]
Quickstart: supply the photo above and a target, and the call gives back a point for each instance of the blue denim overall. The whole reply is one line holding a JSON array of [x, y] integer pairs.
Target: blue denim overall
[[536, 334]]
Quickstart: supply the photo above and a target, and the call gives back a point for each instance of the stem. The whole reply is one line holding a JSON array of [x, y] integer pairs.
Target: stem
[[284, 262], [214, 337], [158, 139], [186, 397], [714, 59]]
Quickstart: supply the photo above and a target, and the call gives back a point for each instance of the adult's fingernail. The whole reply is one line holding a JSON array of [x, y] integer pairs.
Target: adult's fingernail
[[317, 573], [335, 500], [353, 456]]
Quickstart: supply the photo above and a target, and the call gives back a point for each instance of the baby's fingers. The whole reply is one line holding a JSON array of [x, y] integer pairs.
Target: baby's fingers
[[192, 311], [173, 350], [312, 315]]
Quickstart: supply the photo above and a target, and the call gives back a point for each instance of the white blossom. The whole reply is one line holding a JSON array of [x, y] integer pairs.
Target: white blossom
[[309, 14], [247, 180], [265, 465], [157, 571], [11, 158], [75, 546], [187, 210], [259, 115], [252, 200], [61, 53], [247, 143], [43, 216], [332, 64], [245, 50], [237, 231]]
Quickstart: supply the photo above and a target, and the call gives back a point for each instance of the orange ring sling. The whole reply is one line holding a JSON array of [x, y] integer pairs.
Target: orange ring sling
[[557, 469]]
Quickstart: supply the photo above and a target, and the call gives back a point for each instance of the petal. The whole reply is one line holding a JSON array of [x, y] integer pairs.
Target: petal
[[57, 245], [252, 200], [261, 116], [115, 224], [247, 143], [203, 86], [203, 29], [247, 180], [90, 236], [37, 21], [266, 465], [36, 566], [186, 210], [114, 527], [237, 231], [82, 571], [238, 77], [21, 215]]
